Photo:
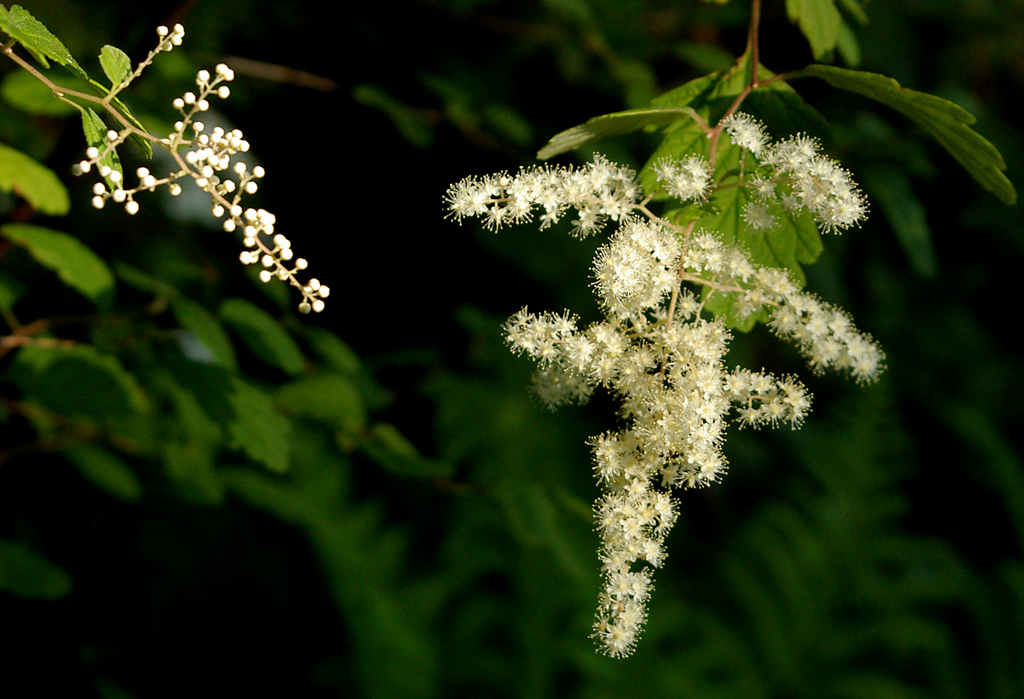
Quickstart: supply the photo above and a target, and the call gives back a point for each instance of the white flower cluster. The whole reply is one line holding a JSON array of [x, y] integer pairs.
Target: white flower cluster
[[791, 175], [598, 191], [208, 161], [655, 352]]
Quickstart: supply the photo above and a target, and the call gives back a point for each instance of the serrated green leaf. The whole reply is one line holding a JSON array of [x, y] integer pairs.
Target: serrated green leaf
[[257, 428], [945, 121], [327, 397], [20, 25], [116, 64], [206, 328], [22, 90], [106, 471], [76, 381], [265, 336], [75, 264], [819, 21], [36, 183], [27, 573], [389, 448]]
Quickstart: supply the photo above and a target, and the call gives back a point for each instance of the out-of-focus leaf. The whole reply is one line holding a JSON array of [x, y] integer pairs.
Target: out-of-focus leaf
[[328, 397], [412, 123], [27, 573], [947, 122], [76, 380], [75, 264], [10, 291], [265, 336], [106, 471], [333, 350], [257, 428], [190, 465], [819, 21], [205, 326], [389, 448], [23, 91], [892, 191], [38, 184]]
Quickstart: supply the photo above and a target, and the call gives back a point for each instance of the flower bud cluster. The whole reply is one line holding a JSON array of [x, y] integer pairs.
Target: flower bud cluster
[[209, 160], [655, 351]]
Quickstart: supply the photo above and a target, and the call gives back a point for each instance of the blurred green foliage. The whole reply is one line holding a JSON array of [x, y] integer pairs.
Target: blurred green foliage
[[201, 492]]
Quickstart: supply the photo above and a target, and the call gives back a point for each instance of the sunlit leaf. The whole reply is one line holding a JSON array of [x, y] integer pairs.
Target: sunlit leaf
[[116, 64], [37, 39]]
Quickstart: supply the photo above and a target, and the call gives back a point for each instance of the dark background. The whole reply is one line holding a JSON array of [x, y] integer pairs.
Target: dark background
[[874, 553]]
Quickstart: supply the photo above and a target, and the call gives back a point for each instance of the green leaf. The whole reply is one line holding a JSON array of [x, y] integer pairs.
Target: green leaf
[[75, 264], [389, 448], [855, 9], [944, 120], [333, 350], [116, 64], [27, 573], [610, 125], [190, 465], [257, 428], [819, 20], [328, 397], [265, 336], [36, 183], [107, 472], [37, 39], [77, 381], [207, 329], [95, 132]]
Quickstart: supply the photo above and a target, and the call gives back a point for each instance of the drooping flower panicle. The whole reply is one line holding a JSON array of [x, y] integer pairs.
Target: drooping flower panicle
[[655, 350]]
